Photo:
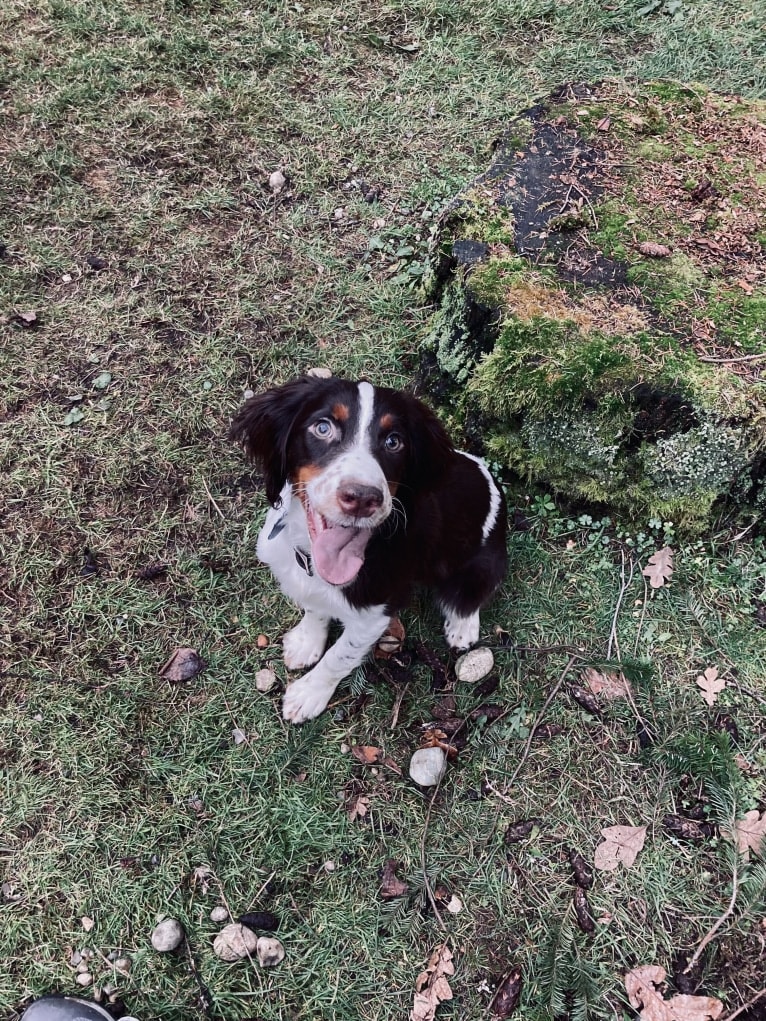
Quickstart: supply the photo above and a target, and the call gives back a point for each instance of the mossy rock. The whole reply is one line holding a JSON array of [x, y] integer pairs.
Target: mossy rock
[[600, 301]]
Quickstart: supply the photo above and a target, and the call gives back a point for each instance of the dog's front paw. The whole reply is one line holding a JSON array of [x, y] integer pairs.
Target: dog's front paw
[[306, 699], [461, 632], [304, 644]]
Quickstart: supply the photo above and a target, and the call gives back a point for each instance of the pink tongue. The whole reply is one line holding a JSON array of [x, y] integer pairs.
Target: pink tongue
[[338, 553]]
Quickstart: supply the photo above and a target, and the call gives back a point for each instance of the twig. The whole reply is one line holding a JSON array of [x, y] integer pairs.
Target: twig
[[728, 361], [710, 935], [643, 615], [538, 720], [210, 497], [423, 835], [745, 1006], [624, 586]]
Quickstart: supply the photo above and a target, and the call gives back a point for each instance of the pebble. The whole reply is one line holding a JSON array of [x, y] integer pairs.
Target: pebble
[[168, 935], [427, 766], [474, 664], [265, 680], [123, 964], [319, 373], [84, 978], [277, 181], [269, 951], [234, 942], [219, 914]]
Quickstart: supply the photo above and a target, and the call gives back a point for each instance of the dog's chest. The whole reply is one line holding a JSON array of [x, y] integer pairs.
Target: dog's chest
[[284, 546]]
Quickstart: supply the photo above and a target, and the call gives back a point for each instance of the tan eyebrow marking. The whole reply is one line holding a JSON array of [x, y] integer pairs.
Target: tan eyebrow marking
[[340, 412], [387, 422]]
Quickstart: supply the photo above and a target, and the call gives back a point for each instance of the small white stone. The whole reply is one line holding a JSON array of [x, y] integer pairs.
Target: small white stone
[[123, 964], [427, 766], [474, 664], [319, 373], [84, 978], [265, 680], [234, 942], [455, 905], [270, 951], [67, 278], [74, 958], [168, 935], [277, 181], [219, 914], [247, 394]]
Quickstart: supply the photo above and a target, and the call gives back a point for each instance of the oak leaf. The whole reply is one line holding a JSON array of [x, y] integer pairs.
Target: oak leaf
[[660, 567], [641, 986], [749, 833], [608, 684], [712, 685], [431, 985], [621, 844]]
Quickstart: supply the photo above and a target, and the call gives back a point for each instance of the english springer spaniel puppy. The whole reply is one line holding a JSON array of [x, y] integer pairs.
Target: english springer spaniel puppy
[[368, 500]]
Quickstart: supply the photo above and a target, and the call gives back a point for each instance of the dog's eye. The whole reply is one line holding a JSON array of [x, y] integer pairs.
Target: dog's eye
[[393, 442], [324, 429]]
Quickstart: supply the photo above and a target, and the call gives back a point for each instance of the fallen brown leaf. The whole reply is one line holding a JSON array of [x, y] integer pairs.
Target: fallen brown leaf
[[749, 833], [392, 639], [621, 844], [182, 665], [641, 986], [431, 985], [608, 685], [357, 807], [660, 567], [367, 754], [391, 885], [712, 685]]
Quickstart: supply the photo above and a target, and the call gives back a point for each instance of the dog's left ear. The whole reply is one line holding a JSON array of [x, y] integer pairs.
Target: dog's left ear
[[430, 445], [263, 425]]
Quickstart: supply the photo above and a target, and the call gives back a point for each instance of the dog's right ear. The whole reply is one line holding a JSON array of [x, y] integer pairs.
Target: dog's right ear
[[263, 425]]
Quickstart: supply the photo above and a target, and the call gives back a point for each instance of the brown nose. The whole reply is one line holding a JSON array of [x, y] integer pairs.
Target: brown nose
[[358, 500]]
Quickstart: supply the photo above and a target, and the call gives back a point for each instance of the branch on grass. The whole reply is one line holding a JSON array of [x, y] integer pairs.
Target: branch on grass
[[710, 935]]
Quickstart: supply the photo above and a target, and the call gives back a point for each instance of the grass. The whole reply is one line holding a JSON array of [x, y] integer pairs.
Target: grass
[[143, 135]]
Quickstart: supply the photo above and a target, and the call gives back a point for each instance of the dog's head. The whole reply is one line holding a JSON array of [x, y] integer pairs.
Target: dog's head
[[348, 450]]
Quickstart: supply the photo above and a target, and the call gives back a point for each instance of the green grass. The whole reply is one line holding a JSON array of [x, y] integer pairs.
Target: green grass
[[144, 134]]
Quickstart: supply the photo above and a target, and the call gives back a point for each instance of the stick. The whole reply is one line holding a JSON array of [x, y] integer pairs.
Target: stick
[[727, 914]]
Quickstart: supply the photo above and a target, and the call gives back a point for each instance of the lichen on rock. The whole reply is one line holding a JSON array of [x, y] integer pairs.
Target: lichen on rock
[[600, 298]]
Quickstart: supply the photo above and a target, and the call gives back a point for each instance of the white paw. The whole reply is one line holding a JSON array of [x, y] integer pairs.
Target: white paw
[[306, 699], [461, 632], [304, 645]]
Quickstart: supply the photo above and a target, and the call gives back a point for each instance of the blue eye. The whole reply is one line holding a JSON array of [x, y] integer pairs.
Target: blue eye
[[324, 429], [393, 442]]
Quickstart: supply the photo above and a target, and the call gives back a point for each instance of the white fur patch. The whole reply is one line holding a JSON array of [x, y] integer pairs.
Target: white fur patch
[[494, 495]]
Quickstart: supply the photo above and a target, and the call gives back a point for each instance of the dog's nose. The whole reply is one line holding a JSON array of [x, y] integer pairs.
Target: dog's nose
[[358, 500]]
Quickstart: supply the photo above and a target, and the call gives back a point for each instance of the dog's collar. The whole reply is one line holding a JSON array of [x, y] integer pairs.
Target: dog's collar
[[303, 560]]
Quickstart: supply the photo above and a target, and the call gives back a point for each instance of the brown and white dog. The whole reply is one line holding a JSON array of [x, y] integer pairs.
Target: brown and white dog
[[368, 500]]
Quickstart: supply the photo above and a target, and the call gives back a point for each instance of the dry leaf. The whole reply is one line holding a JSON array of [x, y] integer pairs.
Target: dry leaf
[[641, 983], [654, 250], [748, 833], [609, 685], [604, 124], [712, 685], [367, 754], [431, 985], [357, 807], [182, 665], [391, 885], [507, 995], [660, 567], [392, 639], [621, 844]]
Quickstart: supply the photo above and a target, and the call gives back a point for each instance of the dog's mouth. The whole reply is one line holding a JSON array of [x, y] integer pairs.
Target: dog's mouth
[[337, 551]]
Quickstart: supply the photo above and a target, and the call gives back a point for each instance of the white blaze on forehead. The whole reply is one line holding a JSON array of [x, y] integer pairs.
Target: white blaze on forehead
[[494, 495], [366, 408]]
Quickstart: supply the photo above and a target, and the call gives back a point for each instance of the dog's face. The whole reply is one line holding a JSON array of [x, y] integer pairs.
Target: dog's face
[[348, 450]]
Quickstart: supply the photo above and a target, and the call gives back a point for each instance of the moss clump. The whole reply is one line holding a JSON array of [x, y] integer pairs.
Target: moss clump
[[620, 298]]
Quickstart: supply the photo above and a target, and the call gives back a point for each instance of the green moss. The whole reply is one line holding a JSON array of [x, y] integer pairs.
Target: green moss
[[489, 281]]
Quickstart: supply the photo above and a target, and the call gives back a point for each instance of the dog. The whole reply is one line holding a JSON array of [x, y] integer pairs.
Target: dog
[[369, 499]]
